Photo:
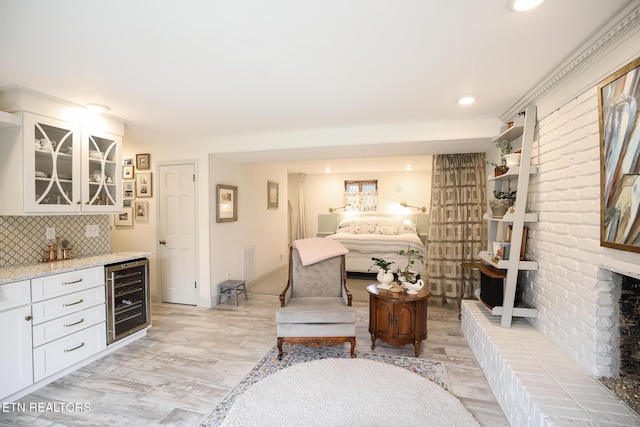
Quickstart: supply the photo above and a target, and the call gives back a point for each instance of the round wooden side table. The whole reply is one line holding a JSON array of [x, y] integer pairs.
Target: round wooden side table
[[398, 318]]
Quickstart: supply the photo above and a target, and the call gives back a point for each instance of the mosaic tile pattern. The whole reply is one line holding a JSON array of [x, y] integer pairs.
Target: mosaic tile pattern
[[22, 238]]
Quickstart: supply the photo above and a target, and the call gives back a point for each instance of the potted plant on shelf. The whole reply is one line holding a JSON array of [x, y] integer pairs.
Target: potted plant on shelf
[[501, 202], [385, 276], [505, 148]]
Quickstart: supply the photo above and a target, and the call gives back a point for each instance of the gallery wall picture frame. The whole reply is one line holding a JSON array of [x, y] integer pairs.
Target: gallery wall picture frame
[[141, 211], [127, 172], [618, 97], [124, 218], [143, 161], [143, 184], [128, 190], [127, 161], [226, 203], [272, 195]]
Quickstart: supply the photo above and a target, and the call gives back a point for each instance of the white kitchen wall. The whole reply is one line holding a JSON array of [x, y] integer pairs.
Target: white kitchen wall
[[322, 191]]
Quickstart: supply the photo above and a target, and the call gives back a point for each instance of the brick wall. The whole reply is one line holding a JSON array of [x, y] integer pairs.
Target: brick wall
[[573, 288]]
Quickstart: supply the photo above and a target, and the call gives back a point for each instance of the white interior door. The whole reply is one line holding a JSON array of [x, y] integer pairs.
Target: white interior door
[[177, 234]]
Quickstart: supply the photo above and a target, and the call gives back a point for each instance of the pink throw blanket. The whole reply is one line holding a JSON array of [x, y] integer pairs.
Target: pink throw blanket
[[316, 249]]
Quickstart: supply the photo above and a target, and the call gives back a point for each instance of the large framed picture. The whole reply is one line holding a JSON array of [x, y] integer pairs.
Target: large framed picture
[[272, 195], [143, 184], [227, 203], [618, 97]]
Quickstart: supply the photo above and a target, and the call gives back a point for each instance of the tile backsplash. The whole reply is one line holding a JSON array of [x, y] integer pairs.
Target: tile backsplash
[[23, 241]]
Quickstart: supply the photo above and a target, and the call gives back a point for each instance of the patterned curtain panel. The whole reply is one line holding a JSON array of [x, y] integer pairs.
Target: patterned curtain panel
[[457, 232]]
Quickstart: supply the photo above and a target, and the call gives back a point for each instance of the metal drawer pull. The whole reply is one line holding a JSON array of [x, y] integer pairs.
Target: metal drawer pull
[[74, 324], [73, 303], [71, 283], [74, 348]]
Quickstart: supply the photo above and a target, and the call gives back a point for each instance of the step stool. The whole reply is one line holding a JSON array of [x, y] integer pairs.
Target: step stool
[[232, 286]]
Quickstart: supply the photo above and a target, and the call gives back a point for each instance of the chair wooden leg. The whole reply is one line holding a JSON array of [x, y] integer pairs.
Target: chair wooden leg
[[280, 340], [352, 340]]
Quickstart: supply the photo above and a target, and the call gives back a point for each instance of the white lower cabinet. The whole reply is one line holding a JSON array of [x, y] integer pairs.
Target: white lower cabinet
[[64, 352], [16, 369], [68, 319]]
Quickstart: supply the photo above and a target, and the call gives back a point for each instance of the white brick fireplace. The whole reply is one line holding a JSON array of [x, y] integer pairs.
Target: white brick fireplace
[[543, 370]]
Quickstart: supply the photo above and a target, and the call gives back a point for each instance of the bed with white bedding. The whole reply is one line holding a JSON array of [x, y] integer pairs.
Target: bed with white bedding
[[378, 237]]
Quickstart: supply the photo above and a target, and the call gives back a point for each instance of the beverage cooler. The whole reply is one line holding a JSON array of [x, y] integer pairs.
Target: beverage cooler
[[128, 303]]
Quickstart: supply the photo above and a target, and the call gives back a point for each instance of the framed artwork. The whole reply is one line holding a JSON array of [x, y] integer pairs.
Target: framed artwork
[[143, 184], [272, 195], [128, 190], [140, 210], [226, 203], [124, 218], [143, 161], [127, 172], [618, 96], [126, 203], [127, 162]]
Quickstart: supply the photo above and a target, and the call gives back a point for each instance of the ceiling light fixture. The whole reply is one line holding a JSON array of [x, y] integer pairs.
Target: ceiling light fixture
[[408, 168], [467, 100], [523, 5], [97, 108]]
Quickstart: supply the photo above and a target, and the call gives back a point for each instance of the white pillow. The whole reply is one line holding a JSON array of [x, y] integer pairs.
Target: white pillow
[[363, 228], [392, 222], [386, 229], [409, 226], [345, 223]]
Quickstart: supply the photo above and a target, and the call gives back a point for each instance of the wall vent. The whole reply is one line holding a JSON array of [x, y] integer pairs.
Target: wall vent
[[248, 261]]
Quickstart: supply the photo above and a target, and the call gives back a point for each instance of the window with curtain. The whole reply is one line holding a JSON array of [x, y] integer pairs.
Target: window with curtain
[[361, 196]]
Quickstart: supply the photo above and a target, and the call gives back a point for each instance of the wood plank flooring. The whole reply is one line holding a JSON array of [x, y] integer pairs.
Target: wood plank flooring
[[192, 357]]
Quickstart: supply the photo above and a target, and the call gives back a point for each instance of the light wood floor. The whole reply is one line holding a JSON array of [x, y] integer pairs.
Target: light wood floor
[[192, 357]]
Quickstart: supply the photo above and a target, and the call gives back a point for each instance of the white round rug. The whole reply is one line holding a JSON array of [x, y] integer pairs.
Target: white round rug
[[347, 392]]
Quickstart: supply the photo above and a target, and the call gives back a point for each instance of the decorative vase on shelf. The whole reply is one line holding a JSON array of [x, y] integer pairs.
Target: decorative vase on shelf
[[512, 159], [384, 277], [499, 207]]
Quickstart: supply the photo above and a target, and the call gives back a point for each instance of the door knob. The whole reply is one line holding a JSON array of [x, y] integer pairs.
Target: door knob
[[27, 318], [163, 242]]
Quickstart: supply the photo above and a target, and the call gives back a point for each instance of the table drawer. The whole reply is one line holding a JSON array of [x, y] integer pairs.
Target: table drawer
[[14, 295], [63, 283], [58, 328], [60, 354], [72, 303]]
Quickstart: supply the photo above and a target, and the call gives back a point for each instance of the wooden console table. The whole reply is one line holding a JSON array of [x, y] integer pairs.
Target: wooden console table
[[398, 318]]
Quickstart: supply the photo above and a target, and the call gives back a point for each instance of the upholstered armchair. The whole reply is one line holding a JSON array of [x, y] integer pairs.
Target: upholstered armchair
[[315, 307]]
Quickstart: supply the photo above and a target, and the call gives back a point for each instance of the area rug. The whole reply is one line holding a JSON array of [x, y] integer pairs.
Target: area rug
[[296, 355]]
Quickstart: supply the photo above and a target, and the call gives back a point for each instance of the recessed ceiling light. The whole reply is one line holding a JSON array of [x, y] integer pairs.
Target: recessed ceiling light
[[408, 168], [522, 5], [467, 100], [327, 170], [97, 108]]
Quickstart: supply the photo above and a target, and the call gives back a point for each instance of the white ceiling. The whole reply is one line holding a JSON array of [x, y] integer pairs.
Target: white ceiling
[[210, 71]]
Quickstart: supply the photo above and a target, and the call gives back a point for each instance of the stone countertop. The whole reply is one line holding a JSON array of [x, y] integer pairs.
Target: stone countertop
[[26, 272]]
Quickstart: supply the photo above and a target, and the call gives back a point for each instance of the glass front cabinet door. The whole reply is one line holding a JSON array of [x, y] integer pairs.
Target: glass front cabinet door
[[101, 172], [52, 165], [69, 169]]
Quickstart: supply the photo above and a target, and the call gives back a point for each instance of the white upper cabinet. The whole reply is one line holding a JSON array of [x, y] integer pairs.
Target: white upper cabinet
[[63, 161]]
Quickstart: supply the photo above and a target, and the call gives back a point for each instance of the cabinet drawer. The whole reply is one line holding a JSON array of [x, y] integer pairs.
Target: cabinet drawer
[[14, 295], [63, 283], [72, 303], [58, 328], [60, 354]]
